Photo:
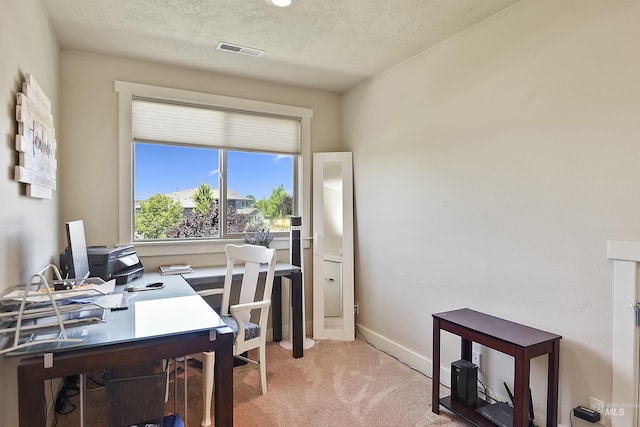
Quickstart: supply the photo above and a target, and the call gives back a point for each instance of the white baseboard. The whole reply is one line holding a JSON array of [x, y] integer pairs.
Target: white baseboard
[[403, 354]]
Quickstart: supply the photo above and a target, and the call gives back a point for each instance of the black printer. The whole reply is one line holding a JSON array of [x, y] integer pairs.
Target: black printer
[[120, 263]]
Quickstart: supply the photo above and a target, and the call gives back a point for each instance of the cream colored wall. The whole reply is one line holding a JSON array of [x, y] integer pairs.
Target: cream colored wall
[[489, 173], [513, 147], [90, 122], [28, 227]]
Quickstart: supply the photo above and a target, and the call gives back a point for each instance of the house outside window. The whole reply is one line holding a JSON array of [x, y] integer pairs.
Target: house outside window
[[259, 192]]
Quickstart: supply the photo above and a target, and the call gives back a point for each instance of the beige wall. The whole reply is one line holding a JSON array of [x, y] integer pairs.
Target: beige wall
[[28, 227], [31, 230], [89, 178], [90, 124], [510, 153], [490, 171]]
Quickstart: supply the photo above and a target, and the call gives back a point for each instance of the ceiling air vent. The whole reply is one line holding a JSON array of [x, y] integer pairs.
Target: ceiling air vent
[[239, 49]]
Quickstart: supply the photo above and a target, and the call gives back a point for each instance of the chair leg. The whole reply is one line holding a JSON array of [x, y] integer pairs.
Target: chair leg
[[83, 396], [263, 369], [208, 360], [186, 401]]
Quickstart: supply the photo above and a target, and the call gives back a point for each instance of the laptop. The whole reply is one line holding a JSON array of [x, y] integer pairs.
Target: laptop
[[499, 413]]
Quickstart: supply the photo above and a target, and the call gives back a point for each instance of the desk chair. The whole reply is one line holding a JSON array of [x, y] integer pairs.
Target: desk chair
[[247, 335]]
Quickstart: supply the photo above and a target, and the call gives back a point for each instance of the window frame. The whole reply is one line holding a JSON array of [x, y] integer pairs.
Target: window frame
[[127, 91]]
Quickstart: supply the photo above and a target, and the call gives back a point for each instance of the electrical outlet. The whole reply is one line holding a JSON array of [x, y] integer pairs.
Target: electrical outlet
[[357, 308], [476, 359], [597, 405]]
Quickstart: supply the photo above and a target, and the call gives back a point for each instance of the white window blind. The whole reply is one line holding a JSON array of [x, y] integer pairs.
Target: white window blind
[[188, 124]]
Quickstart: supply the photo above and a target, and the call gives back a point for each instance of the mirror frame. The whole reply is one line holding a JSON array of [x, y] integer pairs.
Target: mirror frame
[[335, 329]]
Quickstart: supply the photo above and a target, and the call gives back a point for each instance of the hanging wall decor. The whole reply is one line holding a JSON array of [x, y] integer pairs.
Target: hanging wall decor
[[35, 141]]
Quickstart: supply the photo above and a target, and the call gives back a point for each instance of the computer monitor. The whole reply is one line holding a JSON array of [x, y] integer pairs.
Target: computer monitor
[[76, 251]]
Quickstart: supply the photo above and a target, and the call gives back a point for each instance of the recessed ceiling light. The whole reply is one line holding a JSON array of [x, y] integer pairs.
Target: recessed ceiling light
[[279, 3]]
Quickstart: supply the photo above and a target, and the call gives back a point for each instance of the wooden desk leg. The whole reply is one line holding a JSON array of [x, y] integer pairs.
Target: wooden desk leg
[[30, 397], [552, 385], [296, 310], [435, 374], [223, 380], [276, 309], [521, 389]]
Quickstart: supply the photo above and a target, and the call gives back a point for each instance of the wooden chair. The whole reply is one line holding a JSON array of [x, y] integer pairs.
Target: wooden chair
[[247, 334]]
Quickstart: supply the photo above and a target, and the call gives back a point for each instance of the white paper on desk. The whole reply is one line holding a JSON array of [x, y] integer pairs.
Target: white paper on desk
[[167, 316]]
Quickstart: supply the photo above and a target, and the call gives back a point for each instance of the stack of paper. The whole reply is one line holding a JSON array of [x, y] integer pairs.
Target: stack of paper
[[166, 270]]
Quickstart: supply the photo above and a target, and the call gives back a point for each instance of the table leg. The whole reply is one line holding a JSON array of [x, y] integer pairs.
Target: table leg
[[296, 307], [223, 379], [435, 368], [276, 309], [30, 398], [552, 385], [521, 389]]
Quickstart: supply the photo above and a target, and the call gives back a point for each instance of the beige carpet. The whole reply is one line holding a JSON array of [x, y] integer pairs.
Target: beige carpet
[[334, 384]]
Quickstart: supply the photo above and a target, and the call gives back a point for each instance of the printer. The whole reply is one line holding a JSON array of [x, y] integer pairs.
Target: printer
[[120, 263]]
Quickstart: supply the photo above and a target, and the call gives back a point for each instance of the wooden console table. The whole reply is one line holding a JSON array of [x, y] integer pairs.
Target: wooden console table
[[521, 342]]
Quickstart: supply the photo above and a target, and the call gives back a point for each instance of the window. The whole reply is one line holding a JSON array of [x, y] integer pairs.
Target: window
[[205, 168], [177, 192]]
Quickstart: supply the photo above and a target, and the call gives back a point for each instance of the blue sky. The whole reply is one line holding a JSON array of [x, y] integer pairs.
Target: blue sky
[[165, 168]]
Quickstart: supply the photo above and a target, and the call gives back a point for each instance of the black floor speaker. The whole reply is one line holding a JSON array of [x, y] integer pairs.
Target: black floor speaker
[[464, 382]]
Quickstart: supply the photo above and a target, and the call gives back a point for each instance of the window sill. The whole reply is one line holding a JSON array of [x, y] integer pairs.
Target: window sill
[[147, 249]]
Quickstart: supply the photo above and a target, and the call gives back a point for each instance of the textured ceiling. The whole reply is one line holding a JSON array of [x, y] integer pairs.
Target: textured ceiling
[[324, 44]]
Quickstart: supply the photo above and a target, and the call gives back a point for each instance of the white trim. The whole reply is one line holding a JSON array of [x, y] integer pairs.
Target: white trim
[[180, 95], [623, 250], [403, 354], [626, 342], [125, 169], [127, 90]]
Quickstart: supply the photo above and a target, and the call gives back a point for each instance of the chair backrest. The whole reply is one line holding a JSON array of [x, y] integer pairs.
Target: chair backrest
[[252, 256]]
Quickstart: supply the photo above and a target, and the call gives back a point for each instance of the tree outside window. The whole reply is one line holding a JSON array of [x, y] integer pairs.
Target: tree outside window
[[194, 212]]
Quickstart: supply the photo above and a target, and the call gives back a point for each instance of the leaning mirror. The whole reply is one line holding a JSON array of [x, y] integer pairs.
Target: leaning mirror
[[333, 315]]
